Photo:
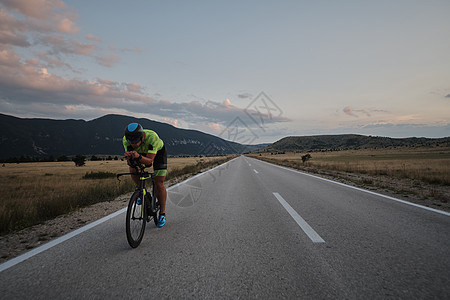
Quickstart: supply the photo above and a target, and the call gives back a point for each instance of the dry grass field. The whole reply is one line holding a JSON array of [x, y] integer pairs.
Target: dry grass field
[[423, 172], [34, 192]]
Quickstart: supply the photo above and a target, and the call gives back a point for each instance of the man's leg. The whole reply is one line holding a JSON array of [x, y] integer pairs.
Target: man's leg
[[134, 177], [160, 167], [161, 192]]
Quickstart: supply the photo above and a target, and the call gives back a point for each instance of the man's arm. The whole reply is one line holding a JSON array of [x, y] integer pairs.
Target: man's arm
[[144, 159], [148, 159]]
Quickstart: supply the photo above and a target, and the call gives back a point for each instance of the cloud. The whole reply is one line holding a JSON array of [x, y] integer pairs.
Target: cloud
[[208, 127], [134, 50], [348, 110], [12, 30], [38, 9], [90, 37], [48, 23], [8, 57], [215, 127], [60, 45], [42, 15], [21, 79], [30, 83], [107, 60], [404, 118], [53, 62], [66, 26], [406, 130], [244, 95], [134, 87], [388, 129], [173, 122]]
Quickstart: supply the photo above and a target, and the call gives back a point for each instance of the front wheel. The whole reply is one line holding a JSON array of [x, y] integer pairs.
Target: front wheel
[[135, 220]]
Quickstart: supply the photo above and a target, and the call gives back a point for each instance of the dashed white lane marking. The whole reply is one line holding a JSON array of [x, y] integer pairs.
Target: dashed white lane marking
[[363, 190], [255, 171], [310, 232]]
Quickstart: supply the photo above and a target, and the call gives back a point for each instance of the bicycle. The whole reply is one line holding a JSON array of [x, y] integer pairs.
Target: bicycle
[[138, 214]]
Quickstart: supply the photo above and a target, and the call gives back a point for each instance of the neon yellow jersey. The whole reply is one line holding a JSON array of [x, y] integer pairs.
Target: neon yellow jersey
[[152, 143]]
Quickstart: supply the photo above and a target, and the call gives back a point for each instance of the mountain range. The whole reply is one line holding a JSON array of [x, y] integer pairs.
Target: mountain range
[[349, 141], [102, 136], [41, 138]]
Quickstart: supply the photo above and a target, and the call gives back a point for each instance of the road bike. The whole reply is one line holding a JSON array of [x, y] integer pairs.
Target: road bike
[[143, 206]]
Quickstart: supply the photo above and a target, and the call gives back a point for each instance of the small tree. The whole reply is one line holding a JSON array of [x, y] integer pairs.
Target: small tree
[[79, 160], [94, 158], [63, 158], [306, 157]]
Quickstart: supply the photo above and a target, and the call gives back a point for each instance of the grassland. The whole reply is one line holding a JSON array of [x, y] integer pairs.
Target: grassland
[[420, 172], [34, 192]]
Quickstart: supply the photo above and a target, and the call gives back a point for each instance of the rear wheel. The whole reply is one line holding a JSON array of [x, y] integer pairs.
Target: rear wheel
[[156, 207], [135, 220]]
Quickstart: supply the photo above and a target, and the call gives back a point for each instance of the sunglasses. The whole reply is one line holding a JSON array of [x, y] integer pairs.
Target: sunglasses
[[135, 141]]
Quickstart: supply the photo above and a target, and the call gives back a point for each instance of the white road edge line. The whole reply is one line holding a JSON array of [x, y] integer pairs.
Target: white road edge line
[[311, 233], [35, 251], [14, 261], [363, 190]]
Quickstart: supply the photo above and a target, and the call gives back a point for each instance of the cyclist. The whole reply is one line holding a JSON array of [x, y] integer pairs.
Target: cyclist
[[145, 145]]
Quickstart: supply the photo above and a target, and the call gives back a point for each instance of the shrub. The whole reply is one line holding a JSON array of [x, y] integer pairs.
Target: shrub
[[63, 158], [79, 160], [98, 175]]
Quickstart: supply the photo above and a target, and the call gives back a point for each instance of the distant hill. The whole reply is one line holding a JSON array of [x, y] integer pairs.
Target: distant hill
[[348, 141], [102, 136]]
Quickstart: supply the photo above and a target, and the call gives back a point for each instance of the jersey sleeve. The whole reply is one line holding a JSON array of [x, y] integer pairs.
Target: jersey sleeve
[[155, 143], [126, 144]]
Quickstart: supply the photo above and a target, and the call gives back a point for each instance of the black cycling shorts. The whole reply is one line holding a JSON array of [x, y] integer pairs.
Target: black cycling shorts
[[160, 161]]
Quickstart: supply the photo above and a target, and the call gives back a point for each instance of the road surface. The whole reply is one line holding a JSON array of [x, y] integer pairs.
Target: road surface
[[249, 229]]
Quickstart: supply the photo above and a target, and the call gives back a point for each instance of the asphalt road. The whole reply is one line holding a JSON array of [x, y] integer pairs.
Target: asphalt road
[[249, 229]]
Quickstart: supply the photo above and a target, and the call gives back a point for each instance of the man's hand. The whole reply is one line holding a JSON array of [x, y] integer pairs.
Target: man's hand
[[129, 155], [145, 159]]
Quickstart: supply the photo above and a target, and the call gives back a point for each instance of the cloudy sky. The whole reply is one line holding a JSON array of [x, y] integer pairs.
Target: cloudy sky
[[266, 68]]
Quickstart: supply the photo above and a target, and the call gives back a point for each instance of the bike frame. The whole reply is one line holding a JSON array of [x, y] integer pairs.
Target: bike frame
[[143, 176]]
